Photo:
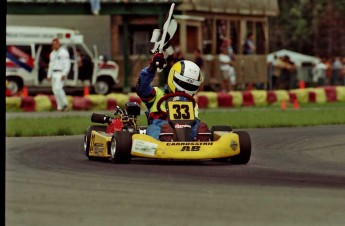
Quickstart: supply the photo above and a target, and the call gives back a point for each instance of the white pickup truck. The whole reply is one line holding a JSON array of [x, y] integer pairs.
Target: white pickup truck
[[27, 59]]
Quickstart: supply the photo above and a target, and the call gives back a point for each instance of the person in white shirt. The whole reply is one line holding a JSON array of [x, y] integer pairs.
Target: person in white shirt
[[319, 72], [59, 67], [228, 71]]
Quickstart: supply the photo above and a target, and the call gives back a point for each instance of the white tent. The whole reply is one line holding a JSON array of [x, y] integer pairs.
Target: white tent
[[295, 57]]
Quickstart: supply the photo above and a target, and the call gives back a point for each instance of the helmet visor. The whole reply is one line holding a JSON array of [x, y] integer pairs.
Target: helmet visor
[[184, 86]]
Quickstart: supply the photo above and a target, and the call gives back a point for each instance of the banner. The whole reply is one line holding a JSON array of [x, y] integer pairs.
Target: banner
[[19, 58]]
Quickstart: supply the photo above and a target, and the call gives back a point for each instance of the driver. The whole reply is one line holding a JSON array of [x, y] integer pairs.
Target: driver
[[184, 76]]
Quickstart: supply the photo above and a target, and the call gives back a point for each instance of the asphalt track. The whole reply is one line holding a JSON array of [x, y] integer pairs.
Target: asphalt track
[[296, 176]]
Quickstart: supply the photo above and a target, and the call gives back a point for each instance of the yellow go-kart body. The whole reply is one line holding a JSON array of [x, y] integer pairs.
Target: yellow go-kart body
[[225, 145], [124, 144]]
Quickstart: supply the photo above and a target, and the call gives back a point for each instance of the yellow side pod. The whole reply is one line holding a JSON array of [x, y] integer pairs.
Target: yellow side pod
[[99, 144], [145, 146]]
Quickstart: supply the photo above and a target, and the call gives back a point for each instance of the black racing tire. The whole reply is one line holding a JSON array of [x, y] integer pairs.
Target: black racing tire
[[245, 149], [120, 147], [87, 137]]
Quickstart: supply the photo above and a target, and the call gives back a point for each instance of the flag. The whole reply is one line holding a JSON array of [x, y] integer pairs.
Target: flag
[[161, 37]]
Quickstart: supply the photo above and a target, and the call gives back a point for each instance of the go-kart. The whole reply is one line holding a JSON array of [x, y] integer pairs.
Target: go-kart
[[122, 139]]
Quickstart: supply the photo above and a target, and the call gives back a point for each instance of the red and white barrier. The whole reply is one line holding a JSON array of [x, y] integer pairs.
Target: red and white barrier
[[204, 99]]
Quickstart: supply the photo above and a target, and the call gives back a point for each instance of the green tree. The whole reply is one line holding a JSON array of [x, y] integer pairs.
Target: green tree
[[314, 27]]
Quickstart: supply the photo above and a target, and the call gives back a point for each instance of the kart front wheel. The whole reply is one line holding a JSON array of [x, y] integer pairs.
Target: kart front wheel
[[120, 147], [87, 138], [245, 149]]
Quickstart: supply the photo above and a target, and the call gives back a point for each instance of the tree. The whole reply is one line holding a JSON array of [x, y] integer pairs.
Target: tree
[[314, 27]]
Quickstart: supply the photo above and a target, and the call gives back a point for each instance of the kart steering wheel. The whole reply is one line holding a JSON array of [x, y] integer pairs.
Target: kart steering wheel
[[170, 95]]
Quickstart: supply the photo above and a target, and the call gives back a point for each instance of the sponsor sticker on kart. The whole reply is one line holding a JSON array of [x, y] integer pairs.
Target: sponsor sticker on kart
[[144, 147]]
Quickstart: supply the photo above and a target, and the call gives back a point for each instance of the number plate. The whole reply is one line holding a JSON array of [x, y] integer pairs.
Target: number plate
[[181, 110]]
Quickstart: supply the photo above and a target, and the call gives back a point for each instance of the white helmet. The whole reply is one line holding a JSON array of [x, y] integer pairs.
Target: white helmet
[[185, 76]]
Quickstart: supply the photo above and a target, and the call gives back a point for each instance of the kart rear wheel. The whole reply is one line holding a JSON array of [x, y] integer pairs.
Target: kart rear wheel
[[245, 149], [120, 147], [87, 137]]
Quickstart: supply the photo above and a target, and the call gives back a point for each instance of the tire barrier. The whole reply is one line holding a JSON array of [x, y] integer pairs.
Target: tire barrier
[[81, 103], [340, 90], [260, 98], [28, 103], [42, 103], [204, 99], [225, 100]]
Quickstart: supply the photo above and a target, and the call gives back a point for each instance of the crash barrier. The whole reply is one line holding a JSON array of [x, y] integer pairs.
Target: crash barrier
[[204, 99]]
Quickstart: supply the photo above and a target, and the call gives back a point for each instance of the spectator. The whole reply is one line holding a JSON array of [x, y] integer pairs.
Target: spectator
[[227, 71], [319, 72], [84, 66], [287, 68], [230, 49], [249, 46], [59, 67], [95, 6], [43, 64], [336, 69], [178, 54], [277, 65], [293, 74], [328, 64], [80, 58], [198, 60], [342, 74]]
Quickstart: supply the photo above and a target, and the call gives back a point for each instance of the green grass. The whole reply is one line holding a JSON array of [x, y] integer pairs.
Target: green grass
[[19, 127], [266, 118], [238, 118]]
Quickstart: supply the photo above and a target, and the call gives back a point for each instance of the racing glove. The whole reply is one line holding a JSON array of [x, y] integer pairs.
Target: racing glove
[[157, 63]]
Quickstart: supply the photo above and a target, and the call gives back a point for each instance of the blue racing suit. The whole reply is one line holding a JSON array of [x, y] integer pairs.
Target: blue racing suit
[[150, 96]]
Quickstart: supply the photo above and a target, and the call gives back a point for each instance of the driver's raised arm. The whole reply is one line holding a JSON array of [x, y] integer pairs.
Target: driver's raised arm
[[144, 88]]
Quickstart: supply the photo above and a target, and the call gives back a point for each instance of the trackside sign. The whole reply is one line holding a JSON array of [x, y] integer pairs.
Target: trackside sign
[[29, 35]]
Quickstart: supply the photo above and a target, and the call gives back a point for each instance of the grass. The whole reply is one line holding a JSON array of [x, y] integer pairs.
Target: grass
[[20, 127], [238, 118]]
